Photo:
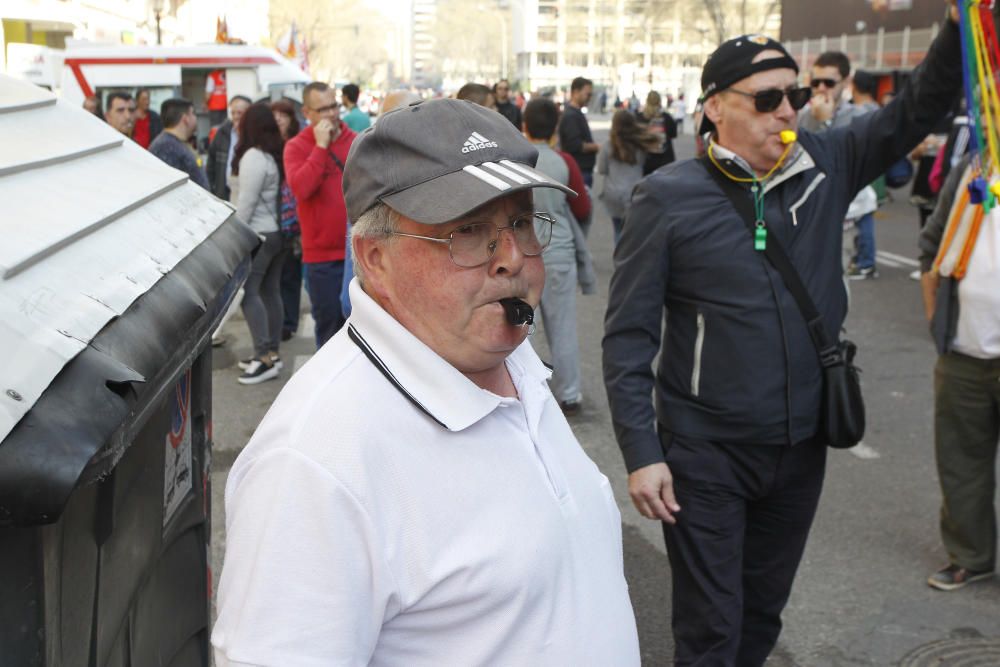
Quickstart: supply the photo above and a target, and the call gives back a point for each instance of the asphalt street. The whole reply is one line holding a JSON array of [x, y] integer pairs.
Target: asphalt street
[[860, 597]]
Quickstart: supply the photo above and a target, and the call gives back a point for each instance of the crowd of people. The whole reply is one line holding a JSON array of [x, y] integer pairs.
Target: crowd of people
[[415, 494]]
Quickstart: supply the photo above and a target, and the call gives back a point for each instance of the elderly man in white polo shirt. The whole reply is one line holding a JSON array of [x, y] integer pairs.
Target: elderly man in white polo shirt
[[415, 496]]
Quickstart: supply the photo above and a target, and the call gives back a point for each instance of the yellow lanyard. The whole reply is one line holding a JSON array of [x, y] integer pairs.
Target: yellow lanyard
[[760, 226]]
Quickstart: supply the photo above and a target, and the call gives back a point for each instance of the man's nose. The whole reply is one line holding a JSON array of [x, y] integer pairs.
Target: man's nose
[[785, 110], [507, 255]]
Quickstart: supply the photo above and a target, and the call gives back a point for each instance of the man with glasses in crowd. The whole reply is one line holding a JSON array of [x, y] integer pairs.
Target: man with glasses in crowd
[[415, 496], [314, 167], [828, 109], [732, 458]]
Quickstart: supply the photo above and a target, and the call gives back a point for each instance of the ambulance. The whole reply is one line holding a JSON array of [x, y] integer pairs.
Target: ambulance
[[199, 73]]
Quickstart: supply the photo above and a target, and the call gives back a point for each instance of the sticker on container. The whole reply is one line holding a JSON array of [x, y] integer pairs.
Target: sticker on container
[[177, 467]]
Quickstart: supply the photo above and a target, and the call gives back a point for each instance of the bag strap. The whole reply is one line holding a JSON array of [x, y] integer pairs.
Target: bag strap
[[828, 351]]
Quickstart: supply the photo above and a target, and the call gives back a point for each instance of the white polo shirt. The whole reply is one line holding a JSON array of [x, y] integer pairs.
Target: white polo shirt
[[388, 511]]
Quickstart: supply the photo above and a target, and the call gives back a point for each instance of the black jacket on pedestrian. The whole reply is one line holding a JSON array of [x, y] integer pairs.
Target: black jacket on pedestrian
[[574, 131], [738, 365], [511, 112], [218, 153]]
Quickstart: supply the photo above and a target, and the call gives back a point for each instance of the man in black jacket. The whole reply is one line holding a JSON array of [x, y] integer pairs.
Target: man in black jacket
[[220, 151], [574, 130], [732, 458], [505, 105]]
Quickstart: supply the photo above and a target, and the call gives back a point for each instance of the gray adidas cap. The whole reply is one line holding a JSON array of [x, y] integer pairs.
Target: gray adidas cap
[[438, 160]]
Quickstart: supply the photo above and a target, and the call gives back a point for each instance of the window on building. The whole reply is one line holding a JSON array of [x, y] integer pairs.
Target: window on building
[[576, 59], [635, 7], [546, 34], [547, 59]]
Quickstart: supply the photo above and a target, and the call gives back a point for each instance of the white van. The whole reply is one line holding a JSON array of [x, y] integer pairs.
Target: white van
[[171, 71]]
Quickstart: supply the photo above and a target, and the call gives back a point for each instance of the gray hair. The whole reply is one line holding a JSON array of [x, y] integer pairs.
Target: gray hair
[[378, 222]]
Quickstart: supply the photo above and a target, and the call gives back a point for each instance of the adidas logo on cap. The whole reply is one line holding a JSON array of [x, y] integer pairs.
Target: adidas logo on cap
[[476, 142]]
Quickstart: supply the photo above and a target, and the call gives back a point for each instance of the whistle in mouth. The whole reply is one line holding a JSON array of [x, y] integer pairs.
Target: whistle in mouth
[[788, 136], [519, 313]]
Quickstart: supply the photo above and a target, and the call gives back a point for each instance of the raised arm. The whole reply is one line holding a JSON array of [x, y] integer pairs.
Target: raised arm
[[305, 168], [870, 144]]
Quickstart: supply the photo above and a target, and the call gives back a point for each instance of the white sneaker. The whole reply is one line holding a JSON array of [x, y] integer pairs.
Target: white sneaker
[[245, 363], [258, 372], [915, 275]]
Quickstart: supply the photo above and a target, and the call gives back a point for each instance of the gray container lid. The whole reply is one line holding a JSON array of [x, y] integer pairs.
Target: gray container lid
[[113, 269]]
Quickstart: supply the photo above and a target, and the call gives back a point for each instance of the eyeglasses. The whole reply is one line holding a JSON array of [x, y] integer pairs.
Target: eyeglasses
[[829, 83], [768, 100], [326, 109], [474, 243]]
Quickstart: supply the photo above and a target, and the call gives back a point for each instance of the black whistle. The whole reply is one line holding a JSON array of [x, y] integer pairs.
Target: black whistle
[[519, 313]]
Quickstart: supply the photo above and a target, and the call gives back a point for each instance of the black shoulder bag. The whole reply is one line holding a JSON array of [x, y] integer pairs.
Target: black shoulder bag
[[842, 418]]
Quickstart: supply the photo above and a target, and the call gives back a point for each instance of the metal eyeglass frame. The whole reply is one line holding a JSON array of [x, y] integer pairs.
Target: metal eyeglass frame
[[492, 245]]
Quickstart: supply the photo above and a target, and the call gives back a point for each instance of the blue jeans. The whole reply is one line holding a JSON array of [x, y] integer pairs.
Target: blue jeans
[[345, 296], [324, 280], [864, 242]]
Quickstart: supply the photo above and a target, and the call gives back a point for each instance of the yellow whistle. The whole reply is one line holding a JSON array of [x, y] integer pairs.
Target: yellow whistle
[[788, 136]]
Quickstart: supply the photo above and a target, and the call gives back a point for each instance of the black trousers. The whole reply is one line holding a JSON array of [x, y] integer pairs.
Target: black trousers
[[745, 515]]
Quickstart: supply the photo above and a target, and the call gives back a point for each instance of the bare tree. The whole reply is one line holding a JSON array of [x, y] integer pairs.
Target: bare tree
[[345, 37], [736, 17], [469, 39]]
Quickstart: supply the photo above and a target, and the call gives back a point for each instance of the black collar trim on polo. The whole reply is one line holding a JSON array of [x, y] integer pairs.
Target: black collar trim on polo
[[380, 365], [547, 365]]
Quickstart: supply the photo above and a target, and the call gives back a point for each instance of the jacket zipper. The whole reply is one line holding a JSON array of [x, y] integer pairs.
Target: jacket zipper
[[699, 343], [794, 208]]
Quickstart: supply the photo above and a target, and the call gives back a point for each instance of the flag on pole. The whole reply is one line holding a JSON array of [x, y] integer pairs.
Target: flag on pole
[[221, 30], [292, 45]]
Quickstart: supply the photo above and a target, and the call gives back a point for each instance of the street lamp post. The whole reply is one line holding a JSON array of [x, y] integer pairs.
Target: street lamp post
[[157, 12]]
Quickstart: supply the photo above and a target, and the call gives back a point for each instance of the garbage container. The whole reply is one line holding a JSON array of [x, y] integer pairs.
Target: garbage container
[[114, 271]]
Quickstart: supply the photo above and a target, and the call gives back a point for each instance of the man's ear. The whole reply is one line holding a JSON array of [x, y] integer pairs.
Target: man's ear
[[713, 108], [370, 254]]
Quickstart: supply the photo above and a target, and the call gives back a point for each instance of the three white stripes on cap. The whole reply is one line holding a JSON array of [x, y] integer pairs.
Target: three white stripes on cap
[[511, 171]]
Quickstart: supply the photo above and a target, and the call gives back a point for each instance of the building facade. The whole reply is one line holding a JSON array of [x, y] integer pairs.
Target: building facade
[[625, 46], [880, 37], [424, 70]]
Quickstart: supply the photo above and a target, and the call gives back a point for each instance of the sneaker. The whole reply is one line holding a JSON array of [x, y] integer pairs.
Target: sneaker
[[915, 275], [287, 334], [218, 340], [954, 577], [244, 364], [859, 273], [570, 408], [258, 372]]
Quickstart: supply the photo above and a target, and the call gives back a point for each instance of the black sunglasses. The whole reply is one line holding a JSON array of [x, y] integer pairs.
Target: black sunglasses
[[768, 100], [829, 83]]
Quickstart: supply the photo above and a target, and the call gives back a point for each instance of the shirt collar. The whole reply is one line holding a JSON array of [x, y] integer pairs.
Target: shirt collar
[[434, 386], [797, 162]]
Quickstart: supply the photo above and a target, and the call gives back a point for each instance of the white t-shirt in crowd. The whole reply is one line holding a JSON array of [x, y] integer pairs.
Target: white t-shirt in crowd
[[388, 511], [978, 331]]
